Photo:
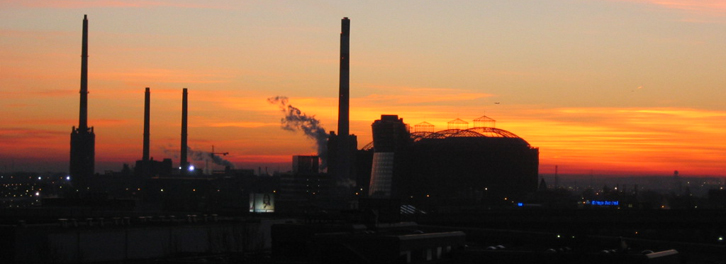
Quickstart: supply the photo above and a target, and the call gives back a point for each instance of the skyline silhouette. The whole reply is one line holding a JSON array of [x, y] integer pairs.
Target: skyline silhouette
[[593, 102]]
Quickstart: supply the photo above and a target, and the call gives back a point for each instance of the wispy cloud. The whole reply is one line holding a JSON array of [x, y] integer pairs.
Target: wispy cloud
[[33, 34], [710, 6], [699, 7], [45, 122], [158, 75], [244, 124], [407, 95], [19, 132], [10, 95], [109, 122], [71, 4]]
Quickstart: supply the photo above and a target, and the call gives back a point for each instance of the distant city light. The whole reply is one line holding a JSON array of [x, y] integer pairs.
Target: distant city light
[[68, 178], [605, 203], [191, 167], [520, 204], [720, 238], [40, 178], [37, 193]]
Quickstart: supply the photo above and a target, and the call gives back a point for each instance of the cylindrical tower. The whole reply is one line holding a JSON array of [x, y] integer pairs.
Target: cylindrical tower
[[83, 139], [183, 159], [343, 168], [147, 116], [83, 113]]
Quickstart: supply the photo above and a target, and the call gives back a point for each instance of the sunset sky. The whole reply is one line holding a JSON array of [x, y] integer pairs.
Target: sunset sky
[[609, 87]]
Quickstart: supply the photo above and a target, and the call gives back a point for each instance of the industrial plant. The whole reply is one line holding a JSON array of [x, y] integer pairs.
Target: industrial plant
[[464, 194], [456, 167]]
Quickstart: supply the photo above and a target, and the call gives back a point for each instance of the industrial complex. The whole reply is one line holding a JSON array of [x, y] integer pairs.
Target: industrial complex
[[470, 193]]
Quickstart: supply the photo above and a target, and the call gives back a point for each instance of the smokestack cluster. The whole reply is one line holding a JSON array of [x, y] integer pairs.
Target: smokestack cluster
[[295, 120], [183, 161], [185, 153]]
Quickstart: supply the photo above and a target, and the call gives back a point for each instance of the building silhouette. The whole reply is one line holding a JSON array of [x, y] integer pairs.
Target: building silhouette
[[305, 164], [83, 139], [391, 140], [456, 166]]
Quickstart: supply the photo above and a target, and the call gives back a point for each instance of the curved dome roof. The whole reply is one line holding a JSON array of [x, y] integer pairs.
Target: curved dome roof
[[471, 132], [477, 132]]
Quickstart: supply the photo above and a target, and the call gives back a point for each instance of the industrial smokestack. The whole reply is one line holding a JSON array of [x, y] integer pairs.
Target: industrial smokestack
[[83, 139], [145, 164], [344, 90], [183, 162], [83, 113], [343, 162], [147, 110]]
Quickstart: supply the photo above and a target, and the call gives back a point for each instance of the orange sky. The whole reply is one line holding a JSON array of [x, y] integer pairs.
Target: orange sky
[[602, 86]]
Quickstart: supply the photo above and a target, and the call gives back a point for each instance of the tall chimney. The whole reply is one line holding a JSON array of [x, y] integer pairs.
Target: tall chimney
[[83, 139], [183, 162], [344, 90], [343, 162], [83, 113], [147, 110]]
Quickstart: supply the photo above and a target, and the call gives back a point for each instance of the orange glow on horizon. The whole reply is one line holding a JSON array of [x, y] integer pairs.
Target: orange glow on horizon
[[616, 141], [637, 89]]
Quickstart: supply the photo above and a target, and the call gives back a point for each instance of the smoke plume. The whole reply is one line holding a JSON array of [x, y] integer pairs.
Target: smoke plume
[[198, 155], [296, 120]]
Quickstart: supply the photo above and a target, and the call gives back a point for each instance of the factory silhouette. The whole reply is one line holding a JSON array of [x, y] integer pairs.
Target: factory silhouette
[[414, 195]]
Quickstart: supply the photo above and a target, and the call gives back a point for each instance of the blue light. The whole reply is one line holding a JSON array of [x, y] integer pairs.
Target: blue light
[[520, 204], [605, 203], [191, 167]]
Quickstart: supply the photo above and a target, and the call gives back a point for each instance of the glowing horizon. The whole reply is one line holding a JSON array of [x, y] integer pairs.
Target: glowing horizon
[[616, 87]]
